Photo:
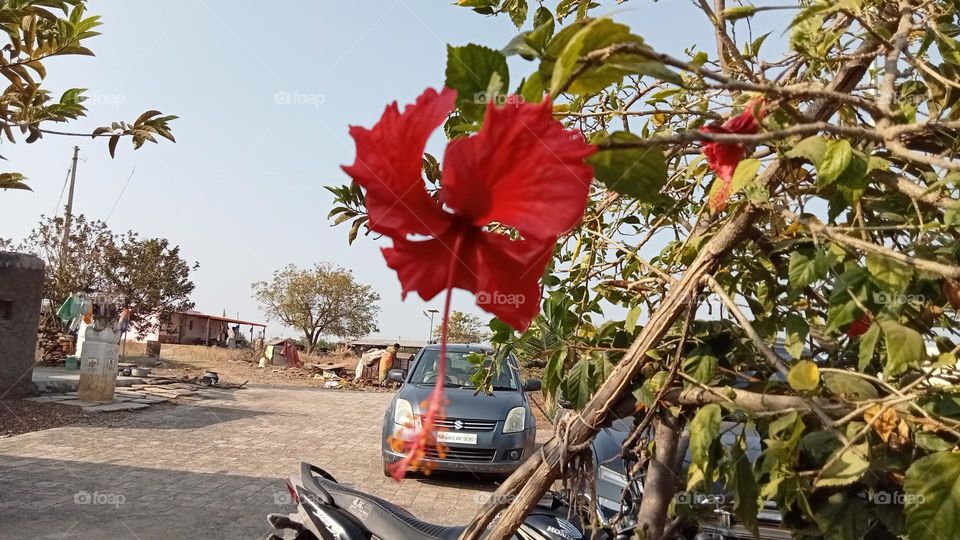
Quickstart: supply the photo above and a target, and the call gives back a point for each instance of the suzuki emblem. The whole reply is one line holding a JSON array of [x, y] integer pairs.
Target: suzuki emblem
[[458, 425]]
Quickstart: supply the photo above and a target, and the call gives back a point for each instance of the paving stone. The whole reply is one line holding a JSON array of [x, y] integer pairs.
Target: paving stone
[[148, 400], [116, 407], [48, 399], [167, 461], [77, 403]]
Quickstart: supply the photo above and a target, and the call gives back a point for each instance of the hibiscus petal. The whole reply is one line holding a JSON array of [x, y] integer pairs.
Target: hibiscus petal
[[388, 166], [504, 274], [746, 122], [723, 158], [509, 274], [523, 169], [422, 265]]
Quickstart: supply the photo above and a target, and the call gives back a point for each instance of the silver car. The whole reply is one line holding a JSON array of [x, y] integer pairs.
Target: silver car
[[482, 433]]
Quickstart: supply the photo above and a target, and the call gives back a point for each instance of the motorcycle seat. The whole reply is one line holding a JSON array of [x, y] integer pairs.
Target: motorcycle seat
[[384, 519]]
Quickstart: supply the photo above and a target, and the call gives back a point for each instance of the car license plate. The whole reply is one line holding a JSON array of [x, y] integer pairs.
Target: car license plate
[[456, 438]]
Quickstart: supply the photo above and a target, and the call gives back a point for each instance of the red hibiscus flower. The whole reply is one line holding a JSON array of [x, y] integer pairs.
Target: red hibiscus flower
[[506, 194], [859, 326], [723, 158]]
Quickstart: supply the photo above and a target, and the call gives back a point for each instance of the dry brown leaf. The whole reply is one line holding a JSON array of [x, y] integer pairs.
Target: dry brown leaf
[[883, 423], [951, 289]]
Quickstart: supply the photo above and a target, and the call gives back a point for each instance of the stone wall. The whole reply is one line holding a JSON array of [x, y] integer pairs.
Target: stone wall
[[21, 294]]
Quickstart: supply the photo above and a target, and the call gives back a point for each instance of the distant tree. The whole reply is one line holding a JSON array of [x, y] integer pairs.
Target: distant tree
[[82, 269], [463, 328], [36, 31], [324, 300], [151, 278], [148, 274]]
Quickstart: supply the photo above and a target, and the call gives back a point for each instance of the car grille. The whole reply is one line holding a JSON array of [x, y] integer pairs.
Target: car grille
[[470, 455], [449, 424]]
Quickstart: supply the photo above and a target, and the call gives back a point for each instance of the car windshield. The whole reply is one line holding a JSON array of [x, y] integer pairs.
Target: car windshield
[[459, 370]]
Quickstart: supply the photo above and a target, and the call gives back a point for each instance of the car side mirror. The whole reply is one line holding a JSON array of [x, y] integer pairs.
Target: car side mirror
[[532, 385], [396, 375]]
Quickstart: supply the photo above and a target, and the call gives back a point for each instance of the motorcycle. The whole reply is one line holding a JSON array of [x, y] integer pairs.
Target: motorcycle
[[329, 510]]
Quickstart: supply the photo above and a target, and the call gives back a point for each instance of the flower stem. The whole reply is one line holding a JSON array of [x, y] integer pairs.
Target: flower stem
[[426, 434]]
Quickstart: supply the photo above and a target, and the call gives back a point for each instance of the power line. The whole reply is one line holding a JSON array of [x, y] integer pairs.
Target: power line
[[125, 184], [56, 209]]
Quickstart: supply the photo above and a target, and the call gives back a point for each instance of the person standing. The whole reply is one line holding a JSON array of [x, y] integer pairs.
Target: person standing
[[386, 362]]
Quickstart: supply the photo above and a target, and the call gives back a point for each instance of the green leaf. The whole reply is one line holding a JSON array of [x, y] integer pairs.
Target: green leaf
[[650, 387], [744, 488], [639, 173], [13, 181], [532, 89], [542, 16], [853, 181], [804, 270], [700, 364], [739, 12], [850, 285], [553, 372], [355, 228], [930, 441], [517, 10], [868, 344], [812, 149], [631, 323], [704, 428], [850, 386], [905, 347], [745, 174], [932, 501], [577, 383], [847, 469], [796, 334], [521, 45], [470, 71], [835, 159], [889, 274], [563, 54], [804, 376]]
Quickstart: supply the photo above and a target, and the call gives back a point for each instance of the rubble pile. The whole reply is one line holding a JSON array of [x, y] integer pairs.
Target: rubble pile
[[54, 345]]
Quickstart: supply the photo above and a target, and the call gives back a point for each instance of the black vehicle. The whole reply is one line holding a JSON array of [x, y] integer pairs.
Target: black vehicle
[[618, 496], [328, 510]]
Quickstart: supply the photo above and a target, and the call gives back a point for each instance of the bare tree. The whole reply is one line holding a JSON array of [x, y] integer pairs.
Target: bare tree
[[325, 300]]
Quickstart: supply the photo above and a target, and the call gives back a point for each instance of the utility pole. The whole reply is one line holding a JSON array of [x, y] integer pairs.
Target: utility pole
[[430, 313], [68, 217]]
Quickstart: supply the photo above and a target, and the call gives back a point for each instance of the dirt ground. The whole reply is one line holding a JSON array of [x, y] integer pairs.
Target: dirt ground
[[232, 365], [18, 416]]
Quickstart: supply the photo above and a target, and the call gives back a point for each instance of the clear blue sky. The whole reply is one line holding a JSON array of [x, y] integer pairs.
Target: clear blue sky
[[242, 190]]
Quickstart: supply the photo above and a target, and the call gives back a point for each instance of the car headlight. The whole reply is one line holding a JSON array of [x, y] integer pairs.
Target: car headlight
[[403, 413], [515, 420]]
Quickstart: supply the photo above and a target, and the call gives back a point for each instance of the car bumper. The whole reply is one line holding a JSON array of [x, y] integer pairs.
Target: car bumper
[[498, 450], [738, 532]]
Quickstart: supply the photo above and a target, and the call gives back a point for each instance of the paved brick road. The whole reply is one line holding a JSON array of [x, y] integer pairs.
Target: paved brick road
[[213, 470]]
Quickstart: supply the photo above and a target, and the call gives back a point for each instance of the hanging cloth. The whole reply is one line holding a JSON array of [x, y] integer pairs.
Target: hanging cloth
[[68, 311]]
